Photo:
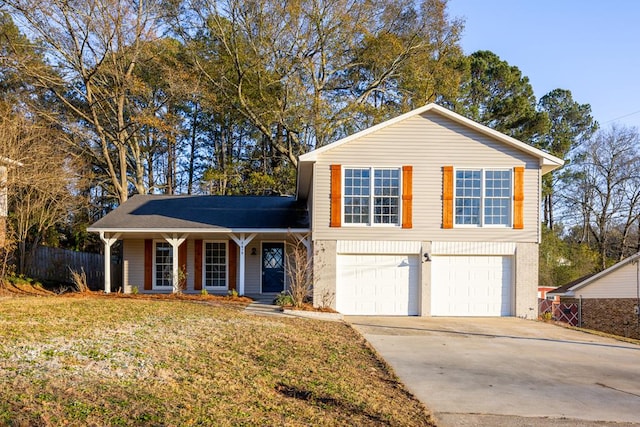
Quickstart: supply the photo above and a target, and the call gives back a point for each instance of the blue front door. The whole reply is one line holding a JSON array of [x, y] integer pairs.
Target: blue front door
[[272, 267]]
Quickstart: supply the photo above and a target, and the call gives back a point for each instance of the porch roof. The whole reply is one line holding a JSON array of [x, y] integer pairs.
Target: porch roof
[[205, 213]]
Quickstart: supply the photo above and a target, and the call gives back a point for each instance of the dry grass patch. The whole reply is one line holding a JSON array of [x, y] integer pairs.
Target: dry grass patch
[[119, 361]]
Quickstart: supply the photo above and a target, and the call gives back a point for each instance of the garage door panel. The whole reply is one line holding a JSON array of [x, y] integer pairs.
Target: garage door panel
[[471, 286], [377, 284]]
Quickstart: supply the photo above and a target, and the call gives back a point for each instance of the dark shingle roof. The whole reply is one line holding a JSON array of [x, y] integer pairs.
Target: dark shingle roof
[[564, 288], [206, 212]]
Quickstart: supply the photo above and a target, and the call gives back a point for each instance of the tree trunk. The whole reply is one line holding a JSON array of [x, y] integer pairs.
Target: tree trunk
[[192, 151]]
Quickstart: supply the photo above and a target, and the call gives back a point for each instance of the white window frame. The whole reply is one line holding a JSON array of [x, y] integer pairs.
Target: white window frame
[[156, 286], [204, 265], [372, 196], [483, 197]]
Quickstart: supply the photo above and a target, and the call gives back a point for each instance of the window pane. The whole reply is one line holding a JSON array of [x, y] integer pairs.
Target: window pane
[[497, 203], [468, 197], [215, 264], [387, 190], [356, 196], [164, 264]]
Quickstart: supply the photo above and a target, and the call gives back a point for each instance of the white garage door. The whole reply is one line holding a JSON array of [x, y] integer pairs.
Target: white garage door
[[471, 286], [377, 284]]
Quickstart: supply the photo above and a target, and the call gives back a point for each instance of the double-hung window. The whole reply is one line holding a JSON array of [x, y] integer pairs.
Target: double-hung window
[[483, 197], [215, 264], [163, 265], [371, 196]]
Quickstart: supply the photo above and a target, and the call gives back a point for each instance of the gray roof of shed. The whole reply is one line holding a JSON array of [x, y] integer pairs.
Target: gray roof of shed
[[154, 212]]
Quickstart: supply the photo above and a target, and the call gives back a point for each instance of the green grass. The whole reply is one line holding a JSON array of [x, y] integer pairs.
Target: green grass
[[114, 361]]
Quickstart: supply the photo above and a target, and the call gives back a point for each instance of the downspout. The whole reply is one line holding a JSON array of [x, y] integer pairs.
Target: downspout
[[580, 312]]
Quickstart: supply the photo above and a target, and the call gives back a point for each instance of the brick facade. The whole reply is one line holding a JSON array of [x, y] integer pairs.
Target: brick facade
[[611, 315]]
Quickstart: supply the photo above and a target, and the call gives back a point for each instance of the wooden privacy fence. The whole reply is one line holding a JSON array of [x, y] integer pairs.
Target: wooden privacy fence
[[55, 265]]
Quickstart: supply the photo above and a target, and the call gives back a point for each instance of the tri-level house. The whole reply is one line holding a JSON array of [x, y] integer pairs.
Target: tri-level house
[[427, 214]]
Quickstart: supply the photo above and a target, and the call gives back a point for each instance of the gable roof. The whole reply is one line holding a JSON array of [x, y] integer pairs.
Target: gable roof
[[561, 290], [570, 288], [548, 162], [205, 213]]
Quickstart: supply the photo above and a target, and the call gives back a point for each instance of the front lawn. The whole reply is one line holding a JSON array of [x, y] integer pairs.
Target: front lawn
[[100, 360]]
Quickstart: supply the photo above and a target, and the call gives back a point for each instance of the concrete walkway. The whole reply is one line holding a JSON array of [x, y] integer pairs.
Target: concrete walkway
[[508, 371], [263, 305]]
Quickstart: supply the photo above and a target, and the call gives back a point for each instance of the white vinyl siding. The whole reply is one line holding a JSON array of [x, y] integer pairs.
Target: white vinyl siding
[[133, 263], [427, 142], [620, 283]]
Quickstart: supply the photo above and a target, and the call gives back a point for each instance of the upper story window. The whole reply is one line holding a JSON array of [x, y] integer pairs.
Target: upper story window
[[371, 196], [483, 197]]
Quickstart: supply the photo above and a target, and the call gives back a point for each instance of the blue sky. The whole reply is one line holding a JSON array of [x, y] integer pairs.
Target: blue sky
[[589, 47]]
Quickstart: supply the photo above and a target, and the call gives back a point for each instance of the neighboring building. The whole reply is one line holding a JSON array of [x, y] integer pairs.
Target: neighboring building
[[543, 290], [608, 301], [4, 204], [426, 214]]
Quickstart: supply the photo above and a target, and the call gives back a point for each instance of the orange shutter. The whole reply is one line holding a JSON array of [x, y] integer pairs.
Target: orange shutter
[[518, 197], [336, 196], [148, 264], [447, 197], [232, 264], [407, 196], [182, 263], [197, 265]]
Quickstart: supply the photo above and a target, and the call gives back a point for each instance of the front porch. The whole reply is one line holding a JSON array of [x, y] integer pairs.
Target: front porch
[[203, 243], [218, 263]]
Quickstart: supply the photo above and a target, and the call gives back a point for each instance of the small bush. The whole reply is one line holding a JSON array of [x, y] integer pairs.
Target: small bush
[[232, 293], [284, 299], [134, 290], [79, 280], [204, 292]]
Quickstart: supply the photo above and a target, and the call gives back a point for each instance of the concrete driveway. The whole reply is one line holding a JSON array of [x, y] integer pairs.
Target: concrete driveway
[[508, 371]]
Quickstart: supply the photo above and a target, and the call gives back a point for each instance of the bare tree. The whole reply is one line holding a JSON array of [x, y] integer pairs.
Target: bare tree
[[300, 72], [41, 193], [299, 272], [605, 190], [95, 46]]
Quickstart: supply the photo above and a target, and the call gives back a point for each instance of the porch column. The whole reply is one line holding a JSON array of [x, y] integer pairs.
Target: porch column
[[108, 242], [242, 243], [175, 243]]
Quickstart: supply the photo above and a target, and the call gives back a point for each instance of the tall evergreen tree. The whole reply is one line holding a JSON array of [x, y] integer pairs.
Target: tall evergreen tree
[[497, 95]]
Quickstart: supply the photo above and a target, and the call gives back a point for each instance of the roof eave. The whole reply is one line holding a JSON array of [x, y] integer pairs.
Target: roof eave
[[196, 230]]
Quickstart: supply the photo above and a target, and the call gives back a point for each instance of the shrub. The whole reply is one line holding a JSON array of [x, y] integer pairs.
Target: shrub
[[284, 299], [299, 273], [79, 279]]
